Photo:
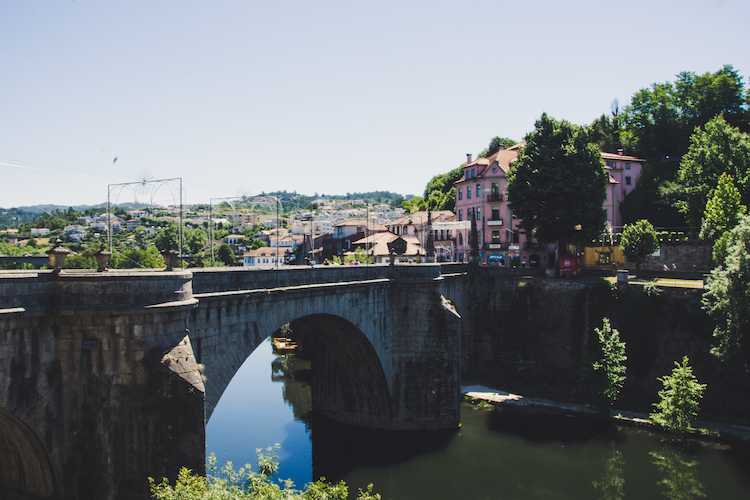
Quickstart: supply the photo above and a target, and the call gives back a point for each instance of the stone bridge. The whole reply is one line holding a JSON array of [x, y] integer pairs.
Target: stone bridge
[[108, 378]]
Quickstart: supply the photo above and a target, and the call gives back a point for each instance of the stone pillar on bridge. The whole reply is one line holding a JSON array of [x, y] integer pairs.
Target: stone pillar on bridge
[[98, 384]]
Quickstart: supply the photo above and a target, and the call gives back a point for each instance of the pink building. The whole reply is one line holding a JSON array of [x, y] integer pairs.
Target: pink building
[[482, 191], [623, 173]]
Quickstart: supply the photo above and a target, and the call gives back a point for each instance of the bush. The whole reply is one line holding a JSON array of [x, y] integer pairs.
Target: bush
[[678, 403], [244, 484], [609, 369]]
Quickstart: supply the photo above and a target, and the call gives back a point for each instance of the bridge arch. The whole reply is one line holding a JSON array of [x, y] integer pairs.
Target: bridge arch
[[25, 467], [349, 380]]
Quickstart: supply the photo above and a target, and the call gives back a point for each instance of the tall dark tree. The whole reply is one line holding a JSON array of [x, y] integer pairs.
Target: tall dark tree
[[557, 187]]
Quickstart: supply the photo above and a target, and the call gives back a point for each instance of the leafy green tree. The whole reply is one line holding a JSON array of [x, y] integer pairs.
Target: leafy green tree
[[226, 255], [678, 401], [170, 236], [638, 241], [716, 149], [359, 255], [722, 213], [609, 368], [557, 187], [257, 243], [726, 297], [495, 145], [195, 239], [659, 120], [31, 242], [440, 193]]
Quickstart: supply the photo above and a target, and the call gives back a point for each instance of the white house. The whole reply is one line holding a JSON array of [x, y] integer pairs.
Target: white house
[[263, 257]]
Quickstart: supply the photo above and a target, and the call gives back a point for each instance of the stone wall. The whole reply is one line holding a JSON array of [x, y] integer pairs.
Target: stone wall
[[535, 335], [90, 368]]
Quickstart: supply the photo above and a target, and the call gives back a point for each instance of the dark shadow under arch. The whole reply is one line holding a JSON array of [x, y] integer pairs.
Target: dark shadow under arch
[[348, 380], [25, 467]]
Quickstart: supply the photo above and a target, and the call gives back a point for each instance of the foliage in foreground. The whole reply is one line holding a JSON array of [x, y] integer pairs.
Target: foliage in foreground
[[726, 297], [678, 403], [244, 484], [610, 368]]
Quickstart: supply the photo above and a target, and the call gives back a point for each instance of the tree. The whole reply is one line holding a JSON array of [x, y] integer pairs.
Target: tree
[[557, 185], [168, 237], [678, 400], [440, 194], [716, 149], [495, 145], [226, 255], [638, 241], [609, 368], [726, 297], [659, 120], [723, 210]]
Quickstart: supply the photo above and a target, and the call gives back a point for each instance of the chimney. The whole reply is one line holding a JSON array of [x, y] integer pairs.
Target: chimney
[[468, 158], [620, 151]]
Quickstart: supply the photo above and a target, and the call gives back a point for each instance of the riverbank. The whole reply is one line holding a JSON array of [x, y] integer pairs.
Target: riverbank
[[505, 400]]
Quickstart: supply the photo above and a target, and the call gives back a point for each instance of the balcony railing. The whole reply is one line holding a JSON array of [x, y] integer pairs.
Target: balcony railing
[[495, 197]]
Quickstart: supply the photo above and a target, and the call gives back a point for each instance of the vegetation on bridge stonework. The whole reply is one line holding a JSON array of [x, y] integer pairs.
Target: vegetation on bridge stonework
[[245, 484]]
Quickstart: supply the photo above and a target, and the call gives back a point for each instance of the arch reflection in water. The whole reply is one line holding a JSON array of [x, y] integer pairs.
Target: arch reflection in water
[[252, 414]]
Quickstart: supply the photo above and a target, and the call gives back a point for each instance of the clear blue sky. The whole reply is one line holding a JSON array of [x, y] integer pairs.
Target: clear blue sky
[[327, 96]]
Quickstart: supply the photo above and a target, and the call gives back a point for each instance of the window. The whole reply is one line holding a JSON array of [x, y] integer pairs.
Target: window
[[460, 239], [460, 194], [468, 192], [473, 173], [495, 213], [627, 165], [479, 191], [496, 237], [460, 215], [479, 213], [627, 180]]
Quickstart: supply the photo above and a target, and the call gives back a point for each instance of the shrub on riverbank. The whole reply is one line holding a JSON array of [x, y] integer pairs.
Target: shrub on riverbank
[[244, 484]]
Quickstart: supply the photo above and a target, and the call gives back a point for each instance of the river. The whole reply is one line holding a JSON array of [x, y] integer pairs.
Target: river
[[492, 455]]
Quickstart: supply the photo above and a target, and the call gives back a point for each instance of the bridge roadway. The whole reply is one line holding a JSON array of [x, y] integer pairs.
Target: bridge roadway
[[108, 378]]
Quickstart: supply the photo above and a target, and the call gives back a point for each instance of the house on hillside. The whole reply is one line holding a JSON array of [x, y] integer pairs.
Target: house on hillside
[[265, 257], [417, 224], [381, 245]]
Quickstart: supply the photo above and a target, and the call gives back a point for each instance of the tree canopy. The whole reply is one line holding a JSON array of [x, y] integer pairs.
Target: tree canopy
[[723, 210], [557, 185], [727, 297], [659, 120], [638, 241], [716, 149]]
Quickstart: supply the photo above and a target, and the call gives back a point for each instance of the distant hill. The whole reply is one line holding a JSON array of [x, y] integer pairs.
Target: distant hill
[[40, 209]]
